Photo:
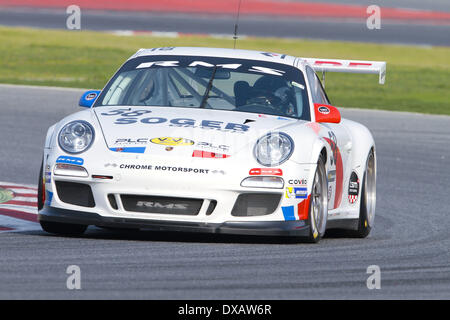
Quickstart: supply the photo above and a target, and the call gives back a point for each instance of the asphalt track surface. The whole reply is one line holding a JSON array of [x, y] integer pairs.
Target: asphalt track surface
[[416, 33], [410, 242]]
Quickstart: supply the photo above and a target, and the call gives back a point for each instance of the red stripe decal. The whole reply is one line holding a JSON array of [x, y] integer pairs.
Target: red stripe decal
[[303, 209], [339, 175], [206, 154], [265, 171]]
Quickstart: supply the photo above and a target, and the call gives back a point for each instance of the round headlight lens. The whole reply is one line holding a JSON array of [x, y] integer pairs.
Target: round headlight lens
[[273, 149], [76, 136]]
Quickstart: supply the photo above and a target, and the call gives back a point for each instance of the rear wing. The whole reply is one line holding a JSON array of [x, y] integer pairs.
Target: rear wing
[[350, 66]]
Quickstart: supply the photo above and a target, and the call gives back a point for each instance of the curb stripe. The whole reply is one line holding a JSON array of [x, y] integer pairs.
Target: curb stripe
[[22, 203], [18, 188], [27, 209], [25, 195], [2, 228], [19, 214]]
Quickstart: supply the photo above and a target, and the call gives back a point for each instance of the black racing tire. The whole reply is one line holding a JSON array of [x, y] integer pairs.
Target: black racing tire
[[318, 202], [66, 229], [363, 227], [368, 194], [40, 194]]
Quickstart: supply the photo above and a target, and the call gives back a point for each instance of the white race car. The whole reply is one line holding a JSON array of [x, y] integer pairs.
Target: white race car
[[212, 140]]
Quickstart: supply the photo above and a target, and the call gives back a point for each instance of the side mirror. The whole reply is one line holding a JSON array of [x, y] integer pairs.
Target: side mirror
[[88, 98], [326, 113]]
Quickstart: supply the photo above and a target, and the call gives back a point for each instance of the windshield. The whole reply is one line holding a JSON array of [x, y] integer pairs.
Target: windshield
[[209, 82]]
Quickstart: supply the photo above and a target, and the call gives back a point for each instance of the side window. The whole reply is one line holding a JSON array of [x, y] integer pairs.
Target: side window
[[321, 91], [317, 93]]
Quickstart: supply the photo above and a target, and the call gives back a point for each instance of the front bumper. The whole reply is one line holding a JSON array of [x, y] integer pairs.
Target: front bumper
[[264, 228]]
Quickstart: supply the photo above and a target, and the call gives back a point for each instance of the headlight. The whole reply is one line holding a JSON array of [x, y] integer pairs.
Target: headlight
[[273, 149], [76, 137]]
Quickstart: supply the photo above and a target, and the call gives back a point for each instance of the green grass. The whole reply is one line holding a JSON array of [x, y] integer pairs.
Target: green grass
[[418, 78]]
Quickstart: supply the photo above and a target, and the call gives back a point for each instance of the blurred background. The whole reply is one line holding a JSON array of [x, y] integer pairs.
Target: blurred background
[[80, 43]]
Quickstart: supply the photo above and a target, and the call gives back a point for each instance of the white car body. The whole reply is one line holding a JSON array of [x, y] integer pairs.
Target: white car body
[[167, 167]]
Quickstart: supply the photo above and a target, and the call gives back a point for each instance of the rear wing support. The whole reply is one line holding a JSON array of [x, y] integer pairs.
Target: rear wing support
[[350, 66]]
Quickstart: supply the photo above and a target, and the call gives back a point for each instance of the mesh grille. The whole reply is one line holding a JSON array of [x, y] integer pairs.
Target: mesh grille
[[78, 194], [255, 204], [112, 201], [165, 205], [211, 207]]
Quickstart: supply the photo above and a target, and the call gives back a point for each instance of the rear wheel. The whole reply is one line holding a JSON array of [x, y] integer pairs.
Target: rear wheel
[[66, 229], [368, 199], [318, 204]]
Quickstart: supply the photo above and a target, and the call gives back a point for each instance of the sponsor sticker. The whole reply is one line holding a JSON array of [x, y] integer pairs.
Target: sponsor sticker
[[353, 188], [301, 193], [128, 149], [323, 110], [302, 182], [331, 176], [70, 160], [129, 116], [289, 192], [208, 145], [149, 167], [125, 141], [170, 141], [91, 96], [296, 193]]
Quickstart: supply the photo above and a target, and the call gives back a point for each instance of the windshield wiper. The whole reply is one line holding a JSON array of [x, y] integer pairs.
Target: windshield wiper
[[208, 88]]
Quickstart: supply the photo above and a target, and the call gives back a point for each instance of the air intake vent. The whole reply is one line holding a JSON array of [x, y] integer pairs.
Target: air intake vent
[[256, 204], [78, 194], [211, 207], [112, 201]]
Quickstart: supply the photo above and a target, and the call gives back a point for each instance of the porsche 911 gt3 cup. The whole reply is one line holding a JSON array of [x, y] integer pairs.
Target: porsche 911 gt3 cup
[[212, 140]]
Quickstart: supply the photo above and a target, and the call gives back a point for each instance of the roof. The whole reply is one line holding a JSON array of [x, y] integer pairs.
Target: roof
[[218, 52]]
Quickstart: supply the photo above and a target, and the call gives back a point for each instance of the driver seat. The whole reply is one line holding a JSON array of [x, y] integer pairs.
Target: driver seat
[[241, 92]]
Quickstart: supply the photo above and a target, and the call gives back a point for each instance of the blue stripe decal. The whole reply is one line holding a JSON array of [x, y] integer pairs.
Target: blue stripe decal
[[129, 149], [49, 197], [71, 160], [288, 213]]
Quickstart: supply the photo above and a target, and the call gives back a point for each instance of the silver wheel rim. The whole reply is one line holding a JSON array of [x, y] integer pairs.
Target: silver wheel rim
[[370, 188], [319, 198]]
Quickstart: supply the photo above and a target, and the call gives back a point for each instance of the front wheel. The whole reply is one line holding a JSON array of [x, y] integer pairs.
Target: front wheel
[[318, 204], [41, 188], [66, 229]]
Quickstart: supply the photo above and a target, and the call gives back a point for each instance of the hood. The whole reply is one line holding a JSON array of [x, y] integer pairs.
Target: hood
[[183, 131]]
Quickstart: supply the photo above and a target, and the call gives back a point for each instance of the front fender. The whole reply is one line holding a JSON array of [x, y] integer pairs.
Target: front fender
[[49, 136]]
